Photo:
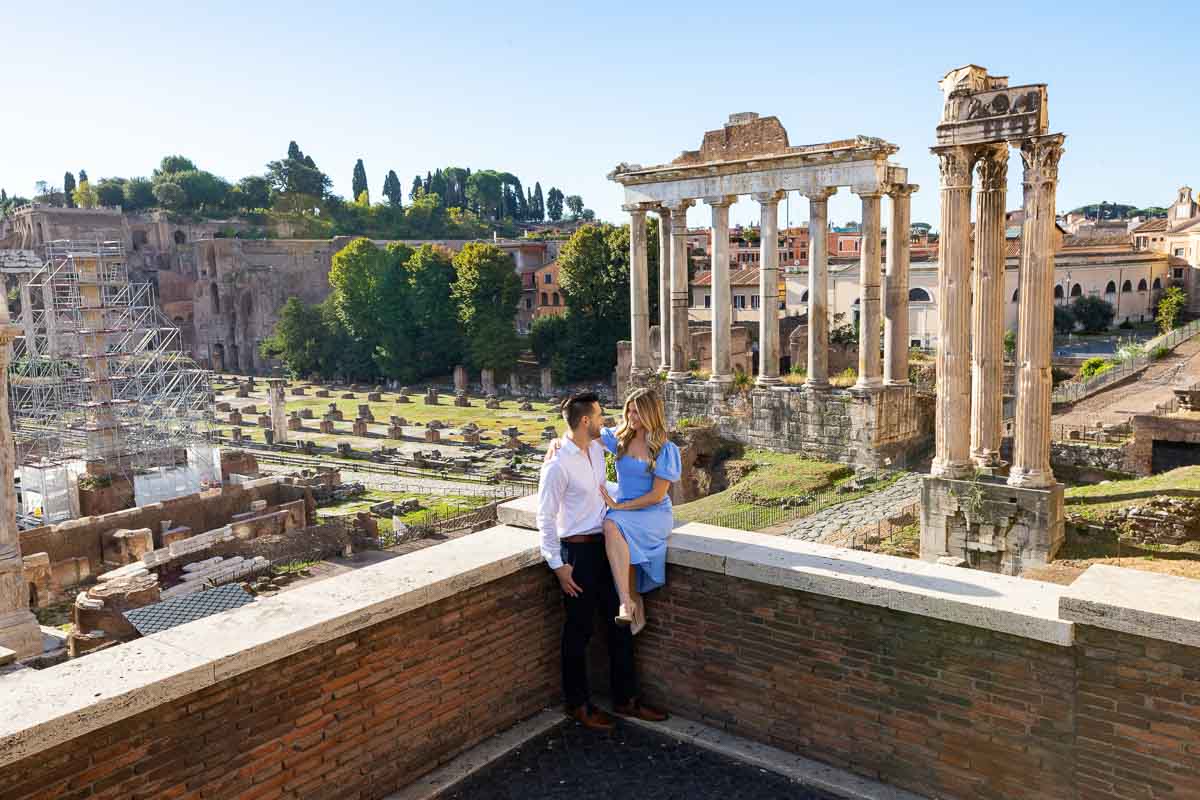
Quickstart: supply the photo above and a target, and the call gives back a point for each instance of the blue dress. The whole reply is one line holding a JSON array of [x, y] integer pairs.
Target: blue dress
[[646, 529]]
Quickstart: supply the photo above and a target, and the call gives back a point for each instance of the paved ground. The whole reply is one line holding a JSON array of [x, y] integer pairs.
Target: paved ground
[[855, 514], [573, 764], [1154, 386]]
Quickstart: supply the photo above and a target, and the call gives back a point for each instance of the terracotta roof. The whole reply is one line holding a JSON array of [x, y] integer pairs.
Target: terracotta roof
[[1176, 261], [1099, 239], [1152, 226], [737, 277]]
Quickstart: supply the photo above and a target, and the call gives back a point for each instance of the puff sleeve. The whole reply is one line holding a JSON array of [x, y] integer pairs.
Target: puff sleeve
[[608, 438], [667, 466]]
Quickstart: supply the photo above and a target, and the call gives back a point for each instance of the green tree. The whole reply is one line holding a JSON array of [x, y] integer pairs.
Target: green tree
[[575, 204], [554, 204], [539, 203], [251, 192], [418, 188], [299, 339], [1170, 307], [110, 191], [485, 192], [360, 181], [202, 189], [486, 291], [1093, 314], [69, 189], [83, 175], [85, 196], [298, 175], [1064, 320], [137, 194], [172, 164], [356, 277], [392, 310], [392, 190], [437, 342], [169, 195]]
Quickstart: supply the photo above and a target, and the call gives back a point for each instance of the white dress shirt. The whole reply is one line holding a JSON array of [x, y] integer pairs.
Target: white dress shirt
[[569, 500]]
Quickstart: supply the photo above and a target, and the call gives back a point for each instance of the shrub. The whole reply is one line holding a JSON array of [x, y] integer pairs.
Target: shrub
[[1093, 314], [1096, 365], [1169, 308], [1159, 352], [1010, 342], [846, 377], [1129, 352], [742, 381]]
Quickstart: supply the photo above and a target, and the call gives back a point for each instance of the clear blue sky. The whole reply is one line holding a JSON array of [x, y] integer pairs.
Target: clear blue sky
[[562, 93]]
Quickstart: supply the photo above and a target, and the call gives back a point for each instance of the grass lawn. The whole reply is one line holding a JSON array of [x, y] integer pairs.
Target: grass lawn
[[1081, 550], [443, 506], [776, 476]]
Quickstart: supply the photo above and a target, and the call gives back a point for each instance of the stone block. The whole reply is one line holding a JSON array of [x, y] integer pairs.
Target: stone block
[[236, 435], [295, 423], [224, 407], [364, 412], [433, 435], [249, 410], [375, 397], [264, 421], [461, 401], [306, 413], [269, 436], [326, 426], [321, 393], [125, 546], [298, 391], [344, 449], [492, 403], [348, 396], [360, 427], [431, 397], [235, 418]]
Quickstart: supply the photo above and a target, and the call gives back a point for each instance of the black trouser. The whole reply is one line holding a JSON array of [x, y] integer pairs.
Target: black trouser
[[591, 572]]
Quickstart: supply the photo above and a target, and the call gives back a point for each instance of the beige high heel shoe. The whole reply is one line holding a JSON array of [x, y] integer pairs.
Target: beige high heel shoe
[[624, 615], [639, 618]]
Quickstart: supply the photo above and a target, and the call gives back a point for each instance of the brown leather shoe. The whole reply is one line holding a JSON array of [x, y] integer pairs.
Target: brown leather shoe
[[592, 718], [635, 708]]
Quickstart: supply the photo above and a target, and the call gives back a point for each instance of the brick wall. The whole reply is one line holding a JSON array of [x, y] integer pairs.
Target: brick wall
[[940, 708], [355, 717]]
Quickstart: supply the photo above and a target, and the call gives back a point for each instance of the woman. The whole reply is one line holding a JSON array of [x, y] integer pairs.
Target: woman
[[640, 519]]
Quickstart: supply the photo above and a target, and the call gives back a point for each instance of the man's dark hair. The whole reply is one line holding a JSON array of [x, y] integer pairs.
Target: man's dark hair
[[578, 406]]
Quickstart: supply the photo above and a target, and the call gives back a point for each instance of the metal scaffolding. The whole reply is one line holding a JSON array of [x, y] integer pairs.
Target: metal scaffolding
[[98, 378]]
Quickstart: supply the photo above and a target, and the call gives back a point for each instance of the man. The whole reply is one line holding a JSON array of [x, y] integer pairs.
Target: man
[[570, 514]]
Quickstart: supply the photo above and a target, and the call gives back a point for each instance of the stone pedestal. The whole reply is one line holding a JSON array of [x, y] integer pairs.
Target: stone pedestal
[[235, 418], [326, 426], [298, 391], [375, 397], [547, 376], [364, 412], [461, 401], [460, 379], [359, 427], [278, 408], [250, 410], [334, 413], [492, 402], [989, 524], [321, 393], [433, 435], [431, 396], [307, 413], [295, 423], [263, 421]]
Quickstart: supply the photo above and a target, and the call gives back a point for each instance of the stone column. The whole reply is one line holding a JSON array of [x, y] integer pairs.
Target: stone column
[[722, 300], [278, 409], [639, 300], [664, 289], [895, 306], [1035, 323], [818, 288], [19, 629], [952, 438], [680, 292], [768, 289], [987, 308], [870, 373]]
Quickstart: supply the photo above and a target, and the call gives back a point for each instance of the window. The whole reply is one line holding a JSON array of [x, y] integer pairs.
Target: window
[[1157, 283], [545, 299], [708, 301], [918, 295], [1126, 287], [556, 298], [1077, 291], [1111, 288], [804, 297], [1017, 293], [1142, 285], [739, 301], [1179, 252], [528, 304], [1058, 294], [1177, 273], [548, 279], [754, 299]]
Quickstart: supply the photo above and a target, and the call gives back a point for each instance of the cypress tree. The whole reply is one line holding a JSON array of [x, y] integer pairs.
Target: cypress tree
[[68, 189], [83, 175], [392, 189], [539, 203], [417, 188], [359, 184]]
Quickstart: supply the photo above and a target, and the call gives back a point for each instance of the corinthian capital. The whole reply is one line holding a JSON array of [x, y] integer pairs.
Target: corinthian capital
[[821, 194], [955, 165], [1040, 155], [993, 166], [895, 190]]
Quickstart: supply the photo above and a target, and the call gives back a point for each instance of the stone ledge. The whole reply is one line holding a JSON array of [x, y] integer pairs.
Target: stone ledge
[[520, 513], [1016, 606], [46, 707], [1136, 602]]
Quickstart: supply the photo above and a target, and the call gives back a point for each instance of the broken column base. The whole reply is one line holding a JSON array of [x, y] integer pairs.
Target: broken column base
[[990, 525], [19, 632]]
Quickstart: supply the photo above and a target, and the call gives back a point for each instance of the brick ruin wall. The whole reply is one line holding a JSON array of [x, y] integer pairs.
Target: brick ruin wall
[[356, 717], [941, 708], [893, 426]]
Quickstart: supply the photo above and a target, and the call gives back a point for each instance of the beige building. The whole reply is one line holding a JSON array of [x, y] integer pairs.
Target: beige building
[[1178, 237]]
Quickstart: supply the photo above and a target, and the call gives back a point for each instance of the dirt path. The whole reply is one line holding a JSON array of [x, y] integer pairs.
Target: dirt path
[[1154, 386]]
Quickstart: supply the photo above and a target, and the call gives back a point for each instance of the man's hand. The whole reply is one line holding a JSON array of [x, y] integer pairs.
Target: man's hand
[[568, 584], [551, 450]]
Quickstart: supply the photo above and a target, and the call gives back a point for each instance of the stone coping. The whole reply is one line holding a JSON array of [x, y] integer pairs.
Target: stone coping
[[43, 708], [983, 599], [1137, 602]]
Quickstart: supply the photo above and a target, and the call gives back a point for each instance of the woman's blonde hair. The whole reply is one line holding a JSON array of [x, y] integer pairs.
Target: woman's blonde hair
[[650, 411]]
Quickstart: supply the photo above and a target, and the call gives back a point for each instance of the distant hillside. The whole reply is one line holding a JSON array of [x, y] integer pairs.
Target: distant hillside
[[1106, 210]]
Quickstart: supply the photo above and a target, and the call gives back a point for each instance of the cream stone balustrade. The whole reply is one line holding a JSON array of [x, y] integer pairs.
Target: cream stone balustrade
[[768, 288], [818, 289], [895, 306]]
